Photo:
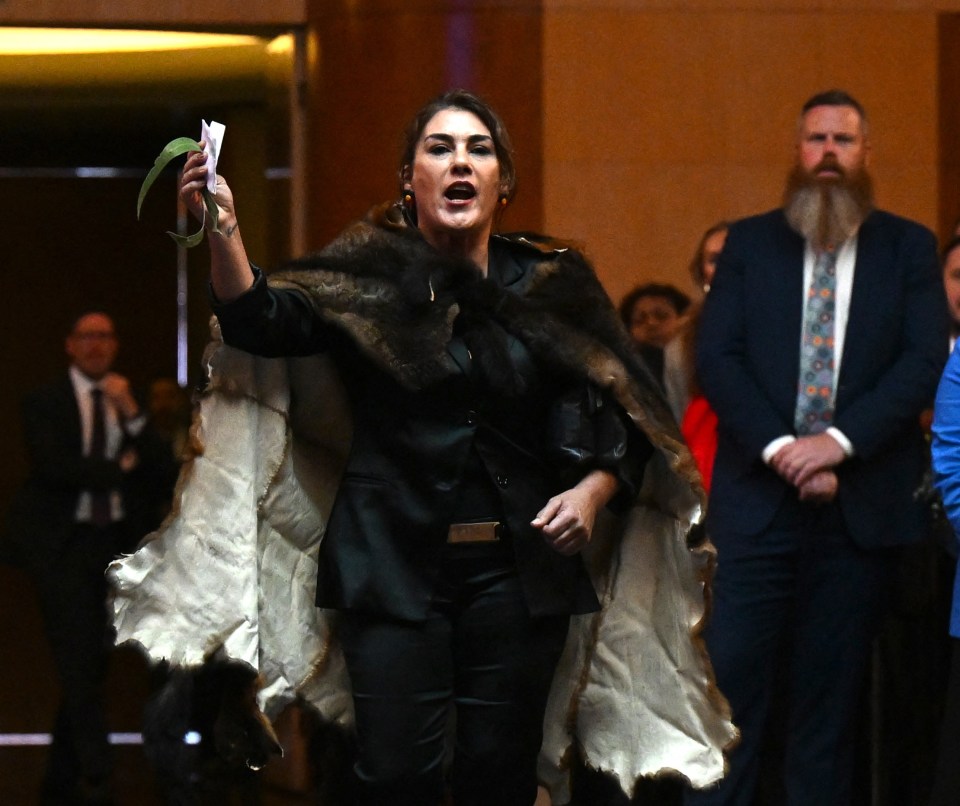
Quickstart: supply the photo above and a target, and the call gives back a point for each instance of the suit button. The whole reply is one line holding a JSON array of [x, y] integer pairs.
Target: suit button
[[471, 418], [502, 481]]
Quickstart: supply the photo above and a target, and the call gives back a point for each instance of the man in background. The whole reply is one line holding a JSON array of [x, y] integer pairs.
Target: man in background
[[96, 470]]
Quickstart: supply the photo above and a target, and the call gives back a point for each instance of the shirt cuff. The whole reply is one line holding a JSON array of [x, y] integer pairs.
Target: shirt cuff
[[841, 438], [134, 425], [771, 450]]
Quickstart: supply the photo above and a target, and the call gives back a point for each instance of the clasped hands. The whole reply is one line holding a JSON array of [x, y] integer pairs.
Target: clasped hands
[[807, 463]]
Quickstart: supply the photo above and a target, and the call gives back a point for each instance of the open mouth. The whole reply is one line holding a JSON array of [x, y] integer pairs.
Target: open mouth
[[460, 191]]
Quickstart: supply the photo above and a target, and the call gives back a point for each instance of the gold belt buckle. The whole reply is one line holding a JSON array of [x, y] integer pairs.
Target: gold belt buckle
[[482, 532]]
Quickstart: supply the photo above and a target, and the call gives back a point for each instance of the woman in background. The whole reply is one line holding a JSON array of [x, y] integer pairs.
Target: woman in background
[[698, 423]]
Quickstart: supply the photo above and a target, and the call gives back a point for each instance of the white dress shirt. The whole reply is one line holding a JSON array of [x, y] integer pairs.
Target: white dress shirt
[[116, 429], [845, 266]]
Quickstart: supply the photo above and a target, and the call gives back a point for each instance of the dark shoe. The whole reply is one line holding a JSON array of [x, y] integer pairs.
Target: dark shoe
[[95, 793], [57, 793]]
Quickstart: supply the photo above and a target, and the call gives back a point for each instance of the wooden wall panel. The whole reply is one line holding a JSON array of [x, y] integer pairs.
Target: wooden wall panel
[[949, 124], [93, 255], [379, 61], [110, 13], [808, 7], [659, 124]]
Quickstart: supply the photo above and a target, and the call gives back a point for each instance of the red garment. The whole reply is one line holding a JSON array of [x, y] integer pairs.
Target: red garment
[[699, 428]]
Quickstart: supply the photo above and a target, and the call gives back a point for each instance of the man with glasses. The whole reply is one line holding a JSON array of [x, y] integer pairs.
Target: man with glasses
[[94, 467]]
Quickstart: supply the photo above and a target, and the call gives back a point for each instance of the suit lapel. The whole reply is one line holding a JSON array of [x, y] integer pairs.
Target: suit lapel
[[460, 354], [790, 266], [783, 303], [867, 271], [67, 402]]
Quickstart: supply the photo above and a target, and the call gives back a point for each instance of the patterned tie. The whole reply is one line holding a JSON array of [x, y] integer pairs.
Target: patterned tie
[[99, 500], [814, 412]]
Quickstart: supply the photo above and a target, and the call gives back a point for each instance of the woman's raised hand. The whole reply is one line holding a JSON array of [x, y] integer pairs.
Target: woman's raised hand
[[230, 273], [193, 180]]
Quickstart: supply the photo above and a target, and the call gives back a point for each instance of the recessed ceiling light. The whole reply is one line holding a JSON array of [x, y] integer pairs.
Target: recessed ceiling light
[[42, 41]]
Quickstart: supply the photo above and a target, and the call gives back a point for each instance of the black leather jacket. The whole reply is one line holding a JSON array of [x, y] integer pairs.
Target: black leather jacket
[[534, 435]]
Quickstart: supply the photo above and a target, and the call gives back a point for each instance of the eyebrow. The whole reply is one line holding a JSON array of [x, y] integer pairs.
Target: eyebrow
[[836, 134], [447, 138]]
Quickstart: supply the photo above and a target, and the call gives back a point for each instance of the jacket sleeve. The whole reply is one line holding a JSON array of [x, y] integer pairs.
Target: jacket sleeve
[[272, 322], [587, 430]]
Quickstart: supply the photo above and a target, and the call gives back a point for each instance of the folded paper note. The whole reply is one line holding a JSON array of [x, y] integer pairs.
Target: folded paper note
[[211, 135]]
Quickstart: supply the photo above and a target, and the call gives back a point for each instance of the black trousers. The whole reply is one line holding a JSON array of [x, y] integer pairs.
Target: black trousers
[[794, 613], [946, 779], [72, 592], [479, 667]]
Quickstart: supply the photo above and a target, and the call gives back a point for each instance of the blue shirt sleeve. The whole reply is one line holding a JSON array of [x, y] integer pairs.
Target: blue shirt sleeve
[[946, 460], [946, 439]]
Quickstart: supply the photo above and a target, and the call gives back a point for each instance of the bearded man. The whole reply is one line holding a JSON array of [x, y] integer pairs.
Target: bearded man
[[822, 340]]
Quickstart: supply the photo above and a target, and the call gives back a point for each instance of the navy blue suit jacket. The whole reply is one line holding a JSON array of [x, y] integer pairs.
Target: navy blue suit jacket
[[894, 350]]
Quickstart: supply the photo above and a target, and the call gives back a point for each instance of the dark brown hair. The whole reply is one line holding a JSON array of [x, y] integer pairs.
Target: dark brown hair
[[696, 264], [836, 98], [677, 299]]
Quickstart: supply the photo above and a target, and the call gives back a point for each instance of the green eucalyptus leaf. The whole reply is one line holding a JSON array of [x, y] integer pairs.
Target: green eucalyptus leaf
[[171, 150], [187, 241], [212, 210]]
